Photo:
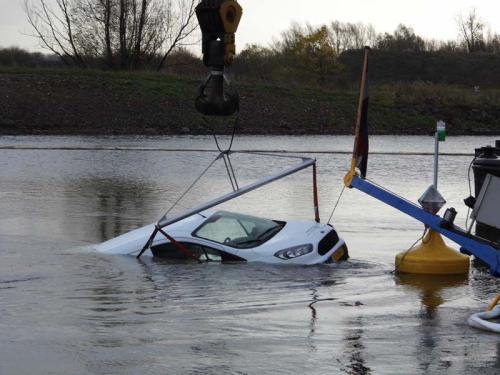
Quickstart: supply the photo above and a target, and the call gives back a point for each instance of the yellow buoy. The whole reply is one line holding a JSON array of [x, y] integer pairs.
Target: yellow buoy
[[432, 257]]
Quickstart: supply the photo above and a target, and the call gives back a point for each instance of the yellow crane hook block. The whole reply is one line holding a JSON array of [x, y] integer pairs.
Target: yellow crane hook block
[[219, 21]]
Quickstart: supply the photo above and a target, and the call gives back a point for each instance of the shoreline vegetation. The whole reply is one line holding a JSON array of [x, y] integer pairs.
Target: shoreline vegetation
[[48, 101], [101, 79]]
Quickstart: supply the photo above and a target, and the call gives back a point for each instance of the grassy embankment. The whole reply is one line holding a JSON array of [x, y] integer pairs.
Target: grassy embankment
[[38, 101]]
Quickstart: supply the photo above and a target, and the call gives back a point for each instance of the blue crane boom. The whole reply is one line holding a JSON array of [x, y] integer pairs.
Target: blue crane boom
[[356, 178], [469, 244]]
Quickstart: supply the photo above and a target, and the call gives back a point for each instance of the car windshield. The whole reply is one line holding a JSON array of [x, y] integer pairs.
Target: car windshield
[[236, 230]]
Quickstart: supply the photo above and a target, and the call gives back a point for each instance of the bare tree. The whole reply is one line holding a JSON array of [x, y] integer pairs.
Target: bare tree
[[492, 42], [471, 30], [363, 35], [125, 34], [338, 37], [345, 36], [53, 25], [186, 26]]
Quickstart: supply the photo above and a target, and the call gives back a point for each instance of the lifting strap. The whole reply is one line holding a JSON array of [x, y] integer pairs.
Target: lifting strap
[[180, 246]]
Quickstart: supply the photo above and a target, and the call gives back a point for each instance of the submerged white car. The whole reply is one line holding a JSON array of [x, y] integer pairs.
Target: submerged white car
[[226, 236]]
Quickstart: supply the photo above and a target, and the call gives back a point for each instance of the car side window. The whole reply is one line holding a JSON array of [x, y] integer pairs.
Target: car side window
[[170, 251], [221, 229], [211, 254]]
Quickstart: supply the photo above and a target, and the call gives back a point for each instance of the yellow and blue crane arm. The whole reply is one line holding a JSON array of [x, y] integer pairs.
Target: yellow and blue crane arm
[[470, 245], [356, 178]]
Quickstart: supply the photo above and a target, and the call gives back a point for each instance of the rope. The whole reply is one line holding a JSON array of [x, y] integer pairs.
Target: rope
[[336, 204], [149, 242], [179, 245], [222, 153], [411, 248], [229, 168], [417, 241], [232, 170], [217, 142], [470, 194], [192, 185], [212, 131], [262, 153], [228, 171], [235, 126], [225, 153]]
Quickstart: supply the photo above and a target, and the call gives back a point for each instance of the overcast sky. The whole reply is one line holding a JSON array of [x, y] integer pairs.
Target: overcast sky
[[265, 19]]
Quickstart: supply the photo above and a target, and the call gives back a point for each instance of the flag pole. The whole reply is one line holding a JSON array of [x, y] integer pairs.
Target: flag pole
[[362, 91]]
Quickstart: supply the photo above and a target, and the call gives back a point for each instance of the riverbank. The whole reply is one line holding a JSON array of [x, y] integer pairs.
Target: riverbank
[[67, 102]]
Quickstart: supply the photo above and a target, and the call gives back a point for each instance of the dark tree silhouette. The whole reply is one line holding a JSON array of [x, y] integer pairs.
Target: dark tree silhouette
[[125, 34], [471, 30]]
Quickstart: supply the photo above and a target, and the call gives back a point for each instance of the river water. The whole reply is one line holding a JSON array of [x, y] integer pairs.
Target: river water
[[67, 310]]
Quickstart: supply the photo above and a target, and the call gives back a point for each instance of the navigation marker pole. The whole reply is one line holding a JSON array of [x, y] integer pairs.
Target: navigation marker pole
[[440, 136]]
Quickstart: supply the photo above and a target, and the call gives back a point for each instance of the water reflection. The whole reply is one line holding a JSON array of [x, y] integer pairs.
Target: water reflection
[[430, 288], [118, 205], [314, 316], [315, 298], [354, 347]]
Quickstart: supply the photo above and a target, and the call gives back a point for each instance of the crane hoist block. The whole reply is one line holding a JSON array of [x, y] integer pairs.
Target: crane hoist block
[[219, 21]]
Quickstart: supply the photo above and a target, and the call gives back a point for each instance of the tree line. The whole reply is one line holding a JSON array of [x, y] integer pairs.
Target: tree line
[[154, 34], [330, 54]]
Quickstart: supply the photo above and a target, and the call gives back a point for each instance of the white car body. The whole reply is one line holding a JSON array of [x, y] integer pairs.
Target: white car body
[[303, 236]]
